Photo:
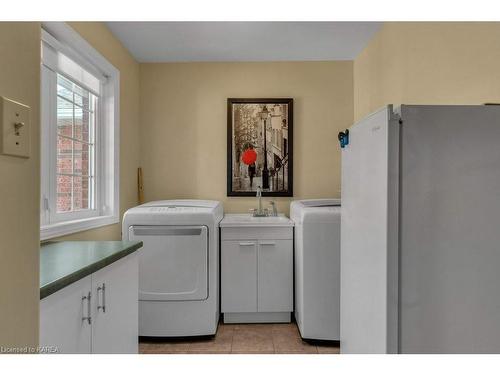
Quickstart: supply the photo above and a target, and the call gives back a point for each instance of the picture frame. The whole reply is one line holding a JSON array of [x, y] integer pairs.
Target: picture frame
[[258, 127]]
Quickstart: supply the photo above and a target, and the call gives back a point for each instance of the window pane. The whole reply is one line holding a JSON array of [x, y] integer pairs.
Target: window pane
[[82, 97], [75, 107], [82, 124], [81, 158], [63, 193], [64, 155], [64, 87], [81, 193], [75, 149], [64, 117]]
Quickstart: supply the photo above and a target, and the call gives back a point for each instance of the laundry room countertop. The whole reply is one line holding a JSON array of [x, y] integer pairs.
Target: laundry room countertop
[[63, 263]]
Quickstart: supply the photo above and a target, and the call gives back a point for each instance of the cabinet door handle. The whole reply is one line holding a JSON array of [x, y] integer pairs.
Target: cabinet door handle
[[102, 289], [247, 244], [268, 243], [87, 318]]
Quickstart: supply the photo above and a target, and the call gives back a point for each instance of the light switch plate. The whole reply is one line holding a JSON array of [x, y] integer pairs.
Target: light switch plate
[[15, 128]]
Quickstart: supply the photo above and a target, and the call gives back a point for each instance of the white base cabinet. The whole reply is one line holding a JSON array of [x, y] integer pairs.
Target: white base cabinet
[[97, 314], [257, 274]]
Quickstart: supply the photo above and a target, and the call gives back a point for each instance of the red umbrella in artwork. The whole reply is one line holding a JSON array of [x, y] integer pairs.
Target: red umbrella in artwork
[[249, 156]]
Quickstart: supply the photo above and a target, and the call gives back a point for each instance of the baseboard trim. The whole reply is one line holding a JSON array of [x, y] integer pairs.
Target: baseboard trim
[[259, 317]]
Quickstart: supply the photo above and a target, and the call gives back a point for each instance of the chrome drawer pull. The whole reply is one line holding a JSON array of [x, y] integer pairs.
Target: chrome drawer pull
[[87, 318], [103, 290]]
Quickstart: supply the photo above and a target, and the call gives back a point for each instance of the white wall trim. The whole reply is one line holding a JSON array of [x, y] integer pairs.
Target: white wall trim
[[69, 227], [76, 46]]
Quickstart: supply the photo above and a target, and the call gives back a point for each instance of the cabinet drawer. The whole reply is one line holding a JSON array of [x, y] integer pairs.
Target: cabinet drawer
[[252, 233]]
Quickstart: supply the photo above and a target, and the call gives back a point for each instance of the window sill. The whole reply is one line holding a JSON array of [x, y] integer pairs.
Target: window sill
[[74, 226]]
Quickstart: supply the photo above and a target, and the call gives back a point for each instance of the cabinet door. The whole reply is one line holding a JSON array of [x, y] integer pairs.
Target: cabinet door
[[115, 307], [239, 276], [275, 276], [63, 326]]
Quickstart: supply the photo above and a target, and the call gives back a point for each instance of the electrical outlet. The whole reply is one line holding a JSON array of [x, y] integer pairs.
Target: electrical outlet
[[15, 128]]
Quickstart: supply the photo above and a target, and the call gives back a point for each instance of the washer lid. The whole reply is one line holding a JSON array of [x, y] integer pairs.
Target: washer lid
[[319, 202], [315, 211]]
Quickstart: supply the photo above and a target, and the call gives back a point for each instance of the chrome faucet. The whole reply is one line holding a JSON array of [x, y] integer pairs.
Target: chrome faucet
[[259, 211], [259, 197]]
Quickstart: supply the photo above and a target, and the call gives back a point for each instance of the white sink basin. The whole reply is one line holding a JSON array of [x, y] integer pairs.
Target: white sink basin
[[248, 220]]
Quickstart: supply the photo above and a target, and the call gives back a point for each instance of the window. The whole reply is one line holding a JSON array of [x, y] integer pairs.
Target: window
[[76, 118], [79, 158]]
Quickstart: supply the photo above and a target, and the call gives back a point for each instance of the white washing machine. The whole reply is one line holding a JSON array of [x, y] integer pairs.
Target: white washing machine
[[178, 266], [317, 267]]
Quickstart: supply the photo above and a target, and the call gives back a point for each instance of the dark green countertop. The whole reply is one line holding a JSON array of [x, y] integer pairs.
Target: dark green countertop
[[63, 263]]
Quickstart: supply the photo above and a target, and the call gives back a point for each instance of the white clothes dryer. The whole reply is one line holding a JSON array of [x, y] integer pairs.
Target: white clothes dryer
[[178, 266]]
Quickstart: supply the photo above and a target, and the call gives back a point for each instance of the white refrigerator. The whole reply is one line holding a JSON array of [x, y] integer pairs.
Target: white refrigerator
[[420, 231]]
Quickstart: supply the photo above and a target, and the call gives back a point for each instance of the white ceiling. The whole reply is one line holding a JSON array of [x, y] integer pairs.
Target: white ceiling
[[243, 41]]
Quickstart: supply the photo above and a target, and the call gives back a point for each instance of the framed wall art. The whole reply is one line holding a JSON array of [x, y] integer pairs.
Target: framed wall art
[[260, 147]]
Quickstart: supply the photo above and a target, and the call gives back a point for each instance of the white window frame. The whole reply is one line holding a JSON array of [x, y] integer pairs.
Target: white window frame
[[63, 38]]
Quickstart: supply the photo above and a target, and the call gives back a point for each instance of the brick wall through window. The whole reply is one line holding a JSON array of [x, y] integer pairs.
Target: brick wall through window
[[75, 145]]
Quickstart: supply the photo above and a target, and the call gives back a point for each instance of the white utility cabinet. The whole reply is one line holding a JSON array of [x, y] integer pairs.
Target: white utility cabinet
[[96, 314], [256, 269]]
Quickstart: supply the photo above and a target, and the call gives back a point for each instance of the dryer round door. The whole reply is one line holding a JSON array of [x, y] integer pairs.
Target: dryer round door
[[173, 263]]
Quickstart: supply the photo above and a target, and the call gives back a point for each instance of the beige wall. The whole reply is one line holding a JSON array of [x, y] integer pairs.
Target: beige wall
[[428, 63], [99, 36], [183, 125], [19, 178], [19, 192]]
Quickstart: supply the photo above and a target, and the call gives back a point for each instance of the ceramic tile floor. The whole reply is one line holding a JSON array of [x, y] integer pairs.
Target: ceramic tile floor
[[241, 339]]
